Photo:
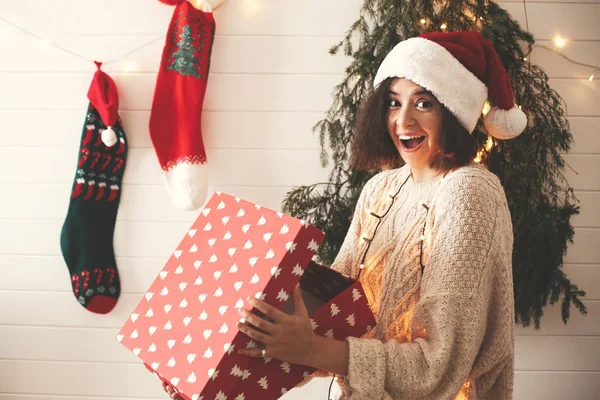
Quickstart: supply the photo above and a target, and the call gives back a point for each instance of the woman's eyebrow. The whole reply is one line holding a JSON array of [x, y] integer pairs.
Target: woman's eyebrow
[[412, 94]]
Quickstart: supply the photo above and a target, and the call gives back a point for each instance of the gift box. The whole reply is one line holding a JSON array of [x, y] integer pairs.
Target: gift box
[[184, 327]]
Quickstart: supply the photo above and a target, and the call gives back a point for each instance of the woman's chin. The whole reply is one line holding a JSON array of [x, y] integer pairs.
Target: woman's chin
[[413, 160]]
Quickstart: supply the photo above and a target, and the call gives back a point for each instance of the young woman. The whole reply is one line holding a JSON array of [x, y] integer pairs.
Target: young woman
[[430, 242]]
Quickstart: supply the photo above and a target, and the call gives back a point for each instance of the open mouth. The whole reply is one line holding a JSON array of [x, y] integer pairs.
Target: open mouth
[[412, 143]]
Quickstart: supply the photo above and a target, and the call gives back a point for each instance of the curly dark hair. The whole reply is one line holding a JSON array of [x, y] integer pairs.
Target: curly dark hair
[[373, 149]]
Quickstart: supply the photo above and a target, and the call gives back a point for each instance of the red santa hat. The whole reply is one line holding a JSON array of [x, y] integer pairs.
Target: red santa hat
[[460, 69], [104, 97]]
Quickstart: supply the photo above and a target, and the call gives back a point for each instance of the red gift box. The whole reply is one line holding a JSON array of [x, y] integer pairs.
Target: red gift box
[[184, 328]]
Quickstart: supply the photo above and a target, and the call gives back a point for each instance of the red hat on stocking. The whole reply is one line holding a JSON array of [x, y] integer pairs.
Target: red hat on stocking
[[104, 97], [460, 69]]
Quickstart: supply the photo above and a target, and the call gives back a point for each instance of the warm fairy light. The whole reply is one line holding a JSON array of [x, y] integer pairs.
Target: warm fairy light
[[478, 157], [197, 4], [481, 18], [423, 21], [422, 238], [559, 41], [486, 108], [489, 144], [520, 108], [251, 7], [443, 26], [129, 66], [524, 58], [591, 78], [362, 266]]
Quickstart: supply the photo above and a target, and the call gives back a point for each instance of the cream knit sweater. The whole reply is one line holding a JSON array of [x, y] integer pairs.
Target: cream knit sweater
[[447, 333]]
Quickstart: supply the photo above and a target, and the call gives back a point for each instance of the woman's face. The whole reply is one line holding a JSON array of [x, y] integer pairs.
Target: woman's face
[[414, 122]]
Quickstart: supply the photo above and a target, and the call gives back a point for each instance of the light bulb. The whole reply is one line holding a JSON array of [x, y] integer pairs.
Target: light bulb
[[524, 58], [423, 21], [486, 108], [591, 78], [559, 41], [129, 66], [444, 26]]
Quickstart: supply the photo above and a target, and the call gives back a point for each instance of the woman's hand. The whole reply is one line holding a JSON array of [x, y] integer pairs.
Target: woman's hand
[[288, 338], [172, 393]]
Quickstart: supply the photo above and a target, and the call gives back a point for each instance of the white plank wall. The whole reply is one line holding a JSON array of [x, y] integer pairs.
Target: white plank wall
[[271, 80]]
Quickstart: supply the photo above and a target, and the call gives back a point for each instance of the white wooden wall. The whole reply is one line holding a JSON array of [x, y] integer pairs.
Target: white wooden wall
[[271, 80]]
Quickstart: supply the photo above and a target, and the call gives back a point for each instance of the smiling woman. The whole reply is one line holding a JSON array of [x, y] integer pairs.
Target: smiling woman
[[430, 242], [415, 128]]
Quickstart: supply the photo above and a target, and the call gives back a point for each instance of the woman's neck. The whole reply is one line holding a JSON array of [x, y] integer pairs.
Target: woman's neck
[[423, 174]]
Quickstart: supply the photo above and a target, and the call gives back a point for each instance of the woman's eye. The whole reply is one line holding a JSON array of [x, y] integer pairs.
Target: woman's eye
[[393, 103], [424, 104]]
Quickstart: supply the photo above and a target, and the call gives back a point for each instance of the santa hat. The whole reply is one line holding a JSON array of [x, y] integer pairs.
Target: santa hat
[[460, 69], [104, 97]]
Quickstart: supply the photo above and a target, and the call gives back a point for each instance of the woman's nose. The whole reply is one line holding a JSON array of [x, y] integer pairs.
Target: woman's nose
[[404, 118]]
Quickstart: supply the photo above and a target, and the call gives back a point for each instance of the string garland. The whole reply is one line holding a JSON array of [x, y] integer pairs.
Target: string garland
[[75, 54], [559, 42]]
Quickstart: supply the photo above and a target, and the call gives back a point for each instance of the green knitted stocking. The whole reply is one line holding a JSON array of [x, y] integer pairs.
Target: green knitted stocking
[[86, 238]]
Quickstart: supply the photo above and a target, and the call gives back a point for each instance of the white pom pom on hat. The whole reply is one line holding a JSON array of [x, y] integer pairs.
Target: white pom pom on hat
[[460, 69], [505, 124], [109, 137]]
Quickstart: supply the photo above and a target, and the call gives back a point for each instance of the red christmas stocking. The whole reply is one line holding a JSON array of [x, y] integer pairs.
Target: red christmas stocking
[[175, 119]]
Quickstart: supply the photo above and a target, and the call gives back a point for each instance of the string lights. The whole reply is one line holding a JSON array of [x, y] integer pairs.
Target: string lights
[[558, 40], [559, 43], [46, 43]]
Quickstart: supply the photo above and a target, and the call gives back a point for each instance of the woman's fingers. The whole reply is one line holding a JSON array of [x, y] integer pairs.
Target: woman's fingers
[[171, 391], [253, 333], [267, 309], [259, 322]]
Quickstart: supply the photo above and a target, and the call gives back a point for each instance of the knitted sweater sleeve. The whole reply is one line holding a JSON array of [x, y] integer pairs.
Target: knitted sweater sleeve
[[449, 320]]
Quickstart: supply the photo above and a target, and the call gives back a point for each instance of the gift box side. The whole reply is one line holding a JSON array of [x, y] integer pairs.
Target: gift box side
[[347, 314]]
